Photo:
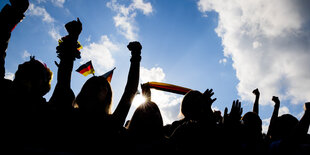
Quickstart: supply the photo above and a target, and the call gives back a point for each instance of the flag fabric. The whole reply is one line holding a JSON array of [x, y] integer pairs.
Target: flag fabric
[[86, 69], [169, 87], [108, 75]]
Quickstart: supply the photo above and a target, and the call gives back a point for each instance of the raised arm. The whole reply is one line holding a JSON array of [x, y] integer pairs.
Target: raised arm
[[235, 113], [131, 88], [146, 91], [208, 101], [304, 123], [274, 114], [10, 16], [67, 53], [256, 102]]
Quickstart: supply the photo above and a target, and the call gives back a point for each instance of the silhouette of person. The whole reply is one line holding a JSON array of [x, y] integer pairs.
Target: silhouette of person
[[191, 109], [67, 50], [99, 126], [288, 135], [252, 138], [195, 106], [22, 99], [197, 131], [10, 16], [145, 130]]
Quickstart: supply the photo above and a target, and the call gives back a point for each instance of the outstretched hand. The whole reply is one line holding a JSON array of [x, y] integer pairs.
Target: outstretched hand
[[235, 111], [20, 5], [74, 28], [207, 96], [135, 48]]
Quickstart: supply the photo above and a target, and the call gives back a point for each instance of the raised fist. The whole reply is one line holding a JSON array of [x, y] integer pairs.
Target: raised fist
[[275, 99], [135, 48], [74, 28], [256, 92], [20, 5]]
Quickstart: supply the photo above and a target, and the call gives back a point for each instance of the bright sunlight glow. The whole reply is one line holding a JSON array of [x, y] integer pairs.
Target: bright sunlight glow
[[139, 99]]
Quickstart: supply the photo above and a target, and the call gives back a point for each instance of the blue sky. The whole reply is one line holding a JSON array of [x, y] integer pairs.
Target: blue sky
[[232, 47]]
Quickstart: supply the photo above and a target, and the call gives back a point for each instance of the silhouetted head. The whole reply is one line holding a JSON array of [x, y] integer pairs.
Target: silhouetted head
[[146, 120], [95, 96], [191, 106], [33, 78], [283, 126], [252, 123], [218, 116]]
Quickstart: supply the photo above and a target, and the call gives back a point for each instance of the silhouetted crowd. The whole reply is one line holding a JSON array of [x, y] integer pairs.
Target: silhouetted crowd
[[85, 123]]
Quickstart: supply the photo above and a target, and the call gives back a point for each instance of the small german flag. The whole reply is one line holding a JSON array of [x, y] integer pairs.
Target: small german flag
[[168, 87], [108, 75], [86, 69]]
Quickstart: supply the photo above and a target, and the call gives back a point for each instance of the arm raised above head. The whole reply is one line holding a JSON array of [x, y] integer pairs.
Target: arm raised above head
[[10, 16], [304, 123], [256, 102], [67, 50], [275, 114], [131, 88]]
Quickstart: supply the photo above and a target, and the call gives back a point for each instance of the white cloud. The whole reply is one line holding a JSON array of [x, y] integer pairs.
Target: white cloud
[[100, 53], [88, 39], [41, 1], [265, 125], [168, 103], [54, 33], [59, 3], [256, 44], [223, 61], [140, 5], [40, 12], [268, 42], [284, 110], [125, 17], [154, 74], [9, 76], [26, 55]]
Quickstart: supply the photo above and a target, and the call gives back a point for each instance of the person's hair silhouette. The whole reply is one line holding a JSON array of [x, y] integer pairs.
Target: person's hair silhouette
[[145, 130], [147, 120], [95, 96], [33, 77], [191, 106]]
